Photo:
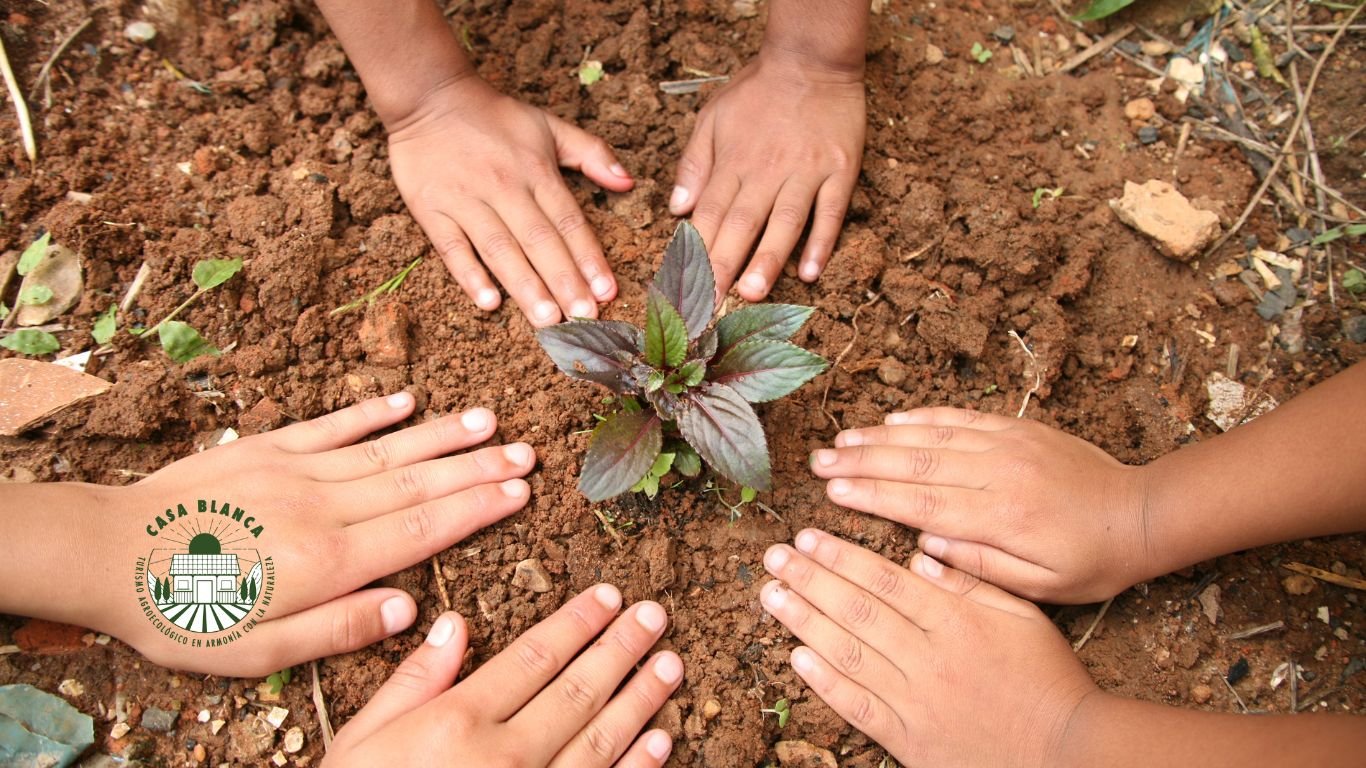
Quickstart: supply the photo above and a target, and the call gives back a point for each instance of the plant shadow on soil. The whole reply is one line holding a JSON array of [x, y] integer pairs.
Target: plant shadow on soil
[[287, 167]]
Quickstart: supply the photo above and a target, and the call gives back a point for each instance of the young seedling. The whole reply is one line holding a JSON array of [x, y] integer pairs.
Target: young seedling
[[737, 510], [590, 71], [388, 286], [684, 386], [1354, 281], [980, 53], [781, 709], [181, 342], [1342, 230], [1041, 192], [278, 680]]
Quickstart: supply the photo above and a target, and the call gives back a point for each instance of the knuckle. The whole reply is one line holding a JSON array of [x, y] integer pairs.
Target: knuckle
[[499, 246], [830, 212], [862, 711], [450, 246], [378, 453], [578, 693], [789, 215], [850, 656], [570, 222], [859, 612], [971, 416], [920, 463], [348, 630], [887, 582], [536, 658], [410, 483], [741, 219], [928, 503], [709, 212], [417, 522], [942, 435], [601, 742], [330, 425], [504, 178], [690, 166]]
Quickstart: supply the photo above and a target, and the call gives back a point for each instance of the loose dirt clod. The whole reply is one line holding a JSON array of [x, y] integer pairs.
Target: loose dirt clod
[[531, 575], [1156, 209], [803, 754]]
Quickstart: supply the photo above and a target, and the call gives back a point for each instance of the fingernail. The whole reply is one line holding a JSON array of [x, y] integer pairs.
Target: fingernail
[[754, 283], [824, 457], [933, 545], [809, 271], [399, 400], [839, 487], [930, 567], [395, 614], [806, 542], [607, 596], [602, 287], [617, 170], [774, 597], [545, 311], [514, 489], [582, 309], [442, 630], [488, 298], [679, 197], [651, 617], [668, 668], [517, 453], [476, 420], [775, 558], [659, 745], [898, 418], [802, 661]]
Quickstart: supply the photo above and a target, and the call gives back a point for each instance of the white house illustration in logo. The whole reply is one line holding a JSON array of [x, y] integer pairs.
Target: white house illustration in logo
[[204, 588]]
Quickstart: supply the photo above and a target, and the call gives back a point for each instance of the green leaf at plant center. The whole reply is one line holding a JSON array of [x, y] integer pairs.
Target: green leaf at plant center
[[211, 273], [622, 450], [666, 337], [183, 343]]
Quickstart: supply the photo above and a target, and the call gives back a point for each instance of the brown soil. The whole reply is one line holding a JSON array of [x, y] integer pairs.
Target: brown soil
[[285, 166]]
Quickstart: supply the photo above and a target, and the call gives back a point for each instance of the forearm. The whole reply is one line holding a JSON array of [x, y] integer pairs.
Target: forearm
[[56, 564], [402, 49], [1290, 474], [1110, 731], [829, 34]]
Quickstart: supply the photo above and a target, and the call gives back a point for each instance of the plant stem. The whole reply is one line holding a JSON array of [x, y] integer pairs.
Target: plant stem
[[174, 312]]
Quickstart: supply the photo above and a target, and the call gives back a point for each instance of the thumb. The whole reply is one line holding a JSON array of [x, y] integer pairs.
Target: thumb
[[694, 168], [425, 674], [969, 586], [582, 151]]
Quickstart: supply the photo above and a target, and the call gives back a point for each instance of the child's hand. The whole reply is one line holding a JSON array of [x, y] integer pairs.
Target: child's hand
[[479, 172], [1026, 507], [777, 142], [336, 517], [937, 667], [540, 702]]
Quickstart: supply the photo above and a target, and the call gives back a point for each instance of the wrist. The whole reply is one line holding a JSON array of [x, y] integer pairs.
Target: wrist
[[836, 63], [1088, 729]]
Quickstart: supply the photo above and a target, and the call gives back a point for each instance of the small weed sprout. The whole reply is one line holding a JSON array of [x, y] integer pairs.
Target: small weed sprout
[[182, 342], [1354, 281], [386, 287], [980, 53], [780, 708], [1051, 193], [278, 680], [684, 386]]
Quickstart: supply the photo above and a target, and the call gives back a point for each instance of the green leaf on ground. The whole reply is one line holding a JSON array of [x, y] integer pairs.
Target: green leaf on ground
[[183, 343], [590, 72], [727, 434], [622, 450], [666, 337], [211, 273], [35, 295], [105, 325], [980, 53], [33, 254], [31, 342], [1354, 281], [1099, 9]]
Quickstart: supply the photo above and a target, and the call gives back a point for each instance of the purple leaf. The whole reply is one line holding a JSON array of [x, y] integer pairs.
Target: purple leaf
[[725, 431], [763, 370], [593, 350], [622, 450], [666, 340], [760, 321], [686, 280]]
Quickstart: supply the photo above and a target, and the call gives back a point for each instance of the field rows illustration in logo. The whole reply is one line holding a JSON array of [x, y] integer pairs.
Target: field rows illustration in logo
[[208, 581]]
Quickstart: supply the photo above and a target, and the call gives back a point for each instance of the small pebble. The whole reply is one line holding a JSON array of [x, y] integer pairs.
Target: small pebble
[[140, 32], [157, 719], [531, 575], [1140, 109], [71, 687], [200, 754], [279, 758], [710, 709], [1354, 328], [119, 730], [933, 54], [1148, 135], [1298, 235], [1201, 694], [1297, 584], [1155, 47], [294, 739], [277, 716], [216, 726], [1005, 33]]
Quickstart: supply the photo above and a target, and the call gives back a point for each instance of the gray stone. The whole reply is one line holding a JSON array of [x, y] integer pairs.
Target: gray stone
[[157, 719], [1354, 328], [1005, 33], [1148, 135]]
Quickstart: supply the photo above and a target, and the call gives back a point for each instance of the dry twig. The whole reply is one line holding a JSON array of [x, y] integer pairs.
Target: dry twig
[[25, 122], [1034, 366], [45, 73], [440, 585], [1100, 46], [320, 704], [1328, 576], [1077, 646], [834, 367]]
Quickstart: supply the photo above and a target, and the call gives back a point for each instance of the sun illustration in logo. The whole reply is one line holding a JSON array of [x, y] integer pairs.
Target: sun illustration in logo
[[205, 584]]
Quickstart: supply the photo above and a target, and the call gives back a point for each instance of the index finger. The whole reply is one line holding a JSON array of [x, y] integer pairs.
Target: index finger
[[344, 427]]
